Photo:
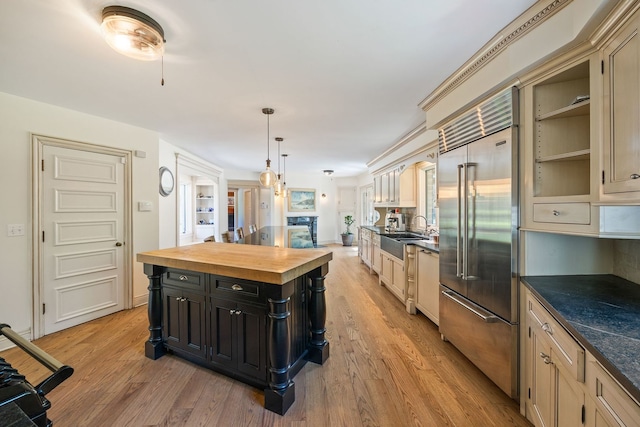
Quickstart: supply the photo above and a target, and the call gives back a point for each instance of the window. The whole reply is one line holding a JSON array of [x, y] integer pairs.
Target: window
[[430, 195]]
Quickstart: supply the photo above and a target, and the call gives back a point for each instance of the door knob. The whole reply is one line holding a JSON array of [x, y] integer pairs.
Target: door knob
[[118, 244]]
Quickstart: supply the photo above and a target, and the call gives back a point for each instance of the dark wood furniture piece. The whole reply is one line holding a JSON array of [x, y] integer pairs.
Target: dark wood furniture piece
[[254, 313]]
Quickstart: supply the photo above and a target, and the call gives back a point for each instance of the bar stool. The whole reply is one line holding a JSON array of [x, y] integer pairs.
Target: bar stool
[[240, 233]]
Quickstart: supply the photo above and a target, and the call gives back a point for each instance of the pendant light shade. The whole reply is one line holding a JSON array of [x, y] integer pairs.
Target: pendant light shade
[[284, 175], [278, 185], [132, 33], [268, 177]]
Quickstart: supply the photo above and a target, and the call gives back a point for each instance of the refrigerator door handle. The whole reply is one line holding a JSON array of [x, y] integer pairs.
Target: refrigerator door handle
[[459, 272], [470, 217], [478, 311], [465, 235]]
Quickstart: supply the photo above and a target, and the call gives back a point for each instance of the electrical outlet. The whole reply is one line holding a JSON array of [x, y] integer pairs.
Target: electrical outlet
[[15, 230]]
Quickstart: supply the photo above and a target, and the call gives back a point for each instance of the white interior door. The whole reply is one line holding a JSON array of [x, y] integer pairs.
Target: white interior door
[[82, 207]]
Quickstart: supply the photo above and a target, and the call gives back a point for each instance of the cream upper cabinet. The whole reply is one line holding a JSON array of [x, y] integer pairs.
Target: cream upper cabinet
[[396, 187], [557, 136], [621, 156]]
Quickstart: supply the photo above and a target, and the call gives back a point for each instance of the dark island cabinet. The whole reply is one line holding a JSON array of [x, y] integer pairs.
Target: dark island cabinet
[[184, 314], [260, 333], [238, 338]]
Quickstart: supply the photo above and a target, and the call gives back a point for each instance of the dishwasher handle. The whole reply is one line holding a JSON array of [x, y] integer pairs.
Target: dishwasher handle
[[485, 315]]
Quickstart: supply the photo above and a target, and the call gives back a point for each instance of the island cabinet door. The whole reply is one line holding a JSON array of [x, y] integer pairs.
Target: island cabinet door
[[184, 321], [238, 337]]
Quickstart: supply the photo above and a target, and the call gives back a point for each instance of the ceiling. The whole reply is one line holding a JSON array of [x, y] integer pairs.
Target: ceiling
[[345, 77]]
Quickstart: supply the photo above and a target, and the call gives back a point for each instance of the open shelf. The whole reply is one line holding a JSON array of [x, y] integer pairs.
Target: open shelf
[[574, 155], [580, 109]]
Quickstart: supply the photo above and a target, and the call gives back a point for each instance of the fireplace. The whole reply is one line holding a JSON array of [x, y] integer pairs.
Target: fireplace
[[309, 221]]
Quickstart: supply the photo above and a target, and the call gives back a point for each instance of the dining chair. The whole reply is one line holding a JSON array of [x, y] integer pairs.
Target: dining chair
[[253, 228], [211, 238], [240, 232], [227, 237]]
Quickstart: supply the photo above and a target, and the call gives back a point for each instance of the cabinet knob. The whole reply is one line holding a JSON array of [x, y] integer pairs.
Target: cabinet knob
[[547, 328], [546, 358], [183, 277], [232, 312], [634, 176], [178, 299], [556, 213]]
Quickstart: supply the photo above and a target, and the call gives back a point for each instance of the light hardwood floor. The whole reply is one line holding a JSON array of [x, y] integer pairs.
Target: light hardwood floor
[[386, 368]]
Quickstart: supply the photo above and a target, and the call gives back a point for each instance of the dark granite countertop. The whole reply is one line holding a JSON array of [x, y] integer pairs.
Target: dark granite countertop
[[602, 312], [433, 247]]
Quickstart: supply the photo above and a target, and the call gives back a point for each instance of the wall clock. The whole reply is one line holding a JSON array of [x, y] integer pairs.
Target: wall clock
[[166, 181]]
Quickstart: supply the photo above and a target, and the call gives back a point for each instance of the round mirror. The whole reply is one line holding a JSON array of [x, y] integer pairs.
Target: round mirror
[[166, 181]]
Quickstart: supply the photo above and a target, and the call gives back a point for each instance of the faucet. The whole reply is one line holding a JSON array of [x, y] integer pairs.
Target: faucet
[[426, 223]]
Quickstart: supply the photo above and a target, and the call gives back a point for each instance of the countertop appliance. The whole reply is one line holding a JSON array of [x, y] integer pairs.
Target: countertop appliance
[[394, 221], [478, 188]]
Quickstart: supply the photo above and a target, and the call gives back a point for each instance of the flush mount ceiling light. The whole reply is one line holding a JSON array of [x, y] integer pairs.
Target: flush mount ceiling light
[[132, 33], [268, 177], [328, 172]]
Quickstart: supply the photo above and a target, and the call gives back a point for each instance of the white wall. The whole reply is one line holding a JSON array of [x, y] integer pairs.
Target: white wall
[[19, 118]]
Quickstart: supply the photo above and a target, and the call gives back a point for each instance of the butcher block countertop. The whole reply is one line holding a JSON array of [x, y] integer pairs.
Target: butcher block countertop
[[251, 262]]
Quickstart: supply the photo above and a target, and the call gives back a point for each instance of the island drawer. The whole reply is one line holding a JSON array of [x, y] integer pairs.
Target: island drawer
[[184, 279], [230, 287]]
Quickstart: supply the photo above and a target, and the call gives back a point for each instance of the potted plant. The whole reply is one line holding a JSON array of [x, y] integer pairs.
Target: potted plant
[[347, 236]]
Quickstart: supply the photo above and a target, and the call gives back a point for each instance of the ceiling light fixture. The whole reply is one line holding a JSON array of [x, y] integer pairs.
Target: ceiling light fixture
[[328, 172], [268, 177], [132, 33], [278, 185]]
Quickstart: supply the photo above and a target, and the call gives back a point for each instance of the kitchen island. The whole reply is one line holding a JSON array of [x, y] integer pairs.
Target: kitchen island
[[254, 313]]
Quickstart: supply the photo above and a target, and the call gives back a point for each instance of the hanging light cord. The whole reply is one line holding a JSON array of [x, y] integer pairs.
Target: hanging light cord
[[268, 138]]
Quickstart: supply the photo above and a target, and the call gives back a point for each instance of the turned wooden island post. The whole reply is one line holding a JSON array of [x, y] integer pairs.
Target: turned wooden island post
[[254, 313]]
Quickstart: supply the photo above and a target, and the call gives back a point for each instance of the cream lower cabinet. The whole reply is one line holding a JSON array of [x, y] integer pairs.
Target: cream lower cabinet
[[555, 368], [566, 385], [392, 275], [364, 246], [376, 259], [609, 404], [428, 284]]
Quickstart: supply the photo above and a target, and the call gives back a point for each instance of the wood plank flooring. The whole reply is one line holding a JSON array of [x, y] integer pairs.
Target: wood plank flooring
[[386, 368]]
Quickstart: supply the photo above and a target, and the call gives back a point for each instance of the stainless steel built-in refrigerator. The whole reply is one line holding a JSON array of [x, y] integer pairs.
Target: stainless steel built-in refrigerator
[[478, 201]]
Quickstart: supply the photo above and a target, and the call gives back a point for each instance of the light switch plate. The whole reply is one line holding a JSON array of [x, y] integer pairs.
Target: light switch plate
[[15, 230]]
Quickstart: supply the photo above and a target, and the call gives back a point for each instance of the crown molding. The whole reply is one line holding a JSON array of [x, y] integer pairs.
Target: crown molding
[[492, 49], [422, 128]]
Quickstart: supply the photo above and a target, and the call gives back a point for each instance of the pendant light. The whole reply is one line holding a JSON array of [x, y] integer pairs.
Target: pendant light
[[284, 175], [278, 185], [268, 177]]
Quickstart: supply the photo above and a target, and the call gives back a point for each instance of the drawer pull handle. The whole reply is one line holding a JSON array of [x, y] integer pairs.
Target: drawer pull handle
[[236, 287], [546, 358], [183, 277], [634, 176], [556, 213], [547, 328]]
